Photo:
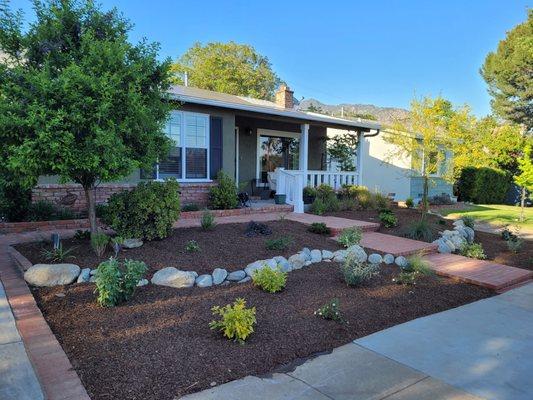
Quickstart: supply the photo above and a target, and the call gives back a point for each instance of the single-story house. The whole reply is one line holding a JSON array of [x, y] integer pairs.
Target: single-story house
[[385, 172], [257, 142]]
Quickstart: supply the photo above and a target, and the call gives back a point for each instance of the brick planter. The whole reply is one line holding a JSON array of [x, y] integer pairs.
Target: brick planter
[[19, 227]]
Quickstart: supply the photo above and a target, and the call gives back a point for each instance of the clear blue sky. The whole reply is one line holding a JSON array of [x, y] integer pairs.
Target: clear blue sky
[[373, 52]]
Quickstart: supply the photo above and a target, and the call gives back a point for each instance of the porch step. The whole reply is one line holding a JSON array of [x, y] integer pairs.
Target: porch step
[[336, 224], [478, 272], [395, 245]]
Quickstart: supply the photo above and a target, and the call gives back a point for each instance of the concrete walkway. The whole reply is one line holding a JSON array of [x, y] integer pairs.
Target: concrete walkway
[[483, 350], [17, 377]]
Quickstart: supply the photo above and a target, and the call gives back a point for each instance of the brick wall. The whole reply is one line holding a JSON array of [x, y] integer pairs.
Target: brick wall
[[72, 195]]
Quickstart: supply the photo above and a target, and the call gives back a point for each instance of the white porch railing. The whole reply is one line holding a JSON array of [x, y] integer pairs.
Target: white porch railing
[[291, 183]]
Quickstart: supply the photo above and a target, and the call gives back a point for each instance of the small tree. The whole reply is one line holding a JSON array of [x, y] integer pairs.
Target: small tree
[[342, 148], [525, 176], [433, 123], [78, 100]]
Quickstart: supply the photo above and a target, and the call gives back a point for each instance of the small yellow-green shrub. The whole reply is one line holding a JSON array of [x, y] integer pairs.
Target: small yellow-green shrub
[[236, 321], [350, 236], [270, 280]]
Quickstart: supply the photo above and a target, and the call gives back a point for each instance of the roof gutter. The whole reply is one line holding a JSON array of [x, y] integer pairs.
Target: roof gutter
[[373, 134]]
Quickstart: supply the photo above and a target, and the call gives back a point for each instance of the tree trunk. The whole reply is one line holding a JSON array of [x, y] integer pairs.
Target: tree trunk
[[91, 207], [522, 204], [425, 194]]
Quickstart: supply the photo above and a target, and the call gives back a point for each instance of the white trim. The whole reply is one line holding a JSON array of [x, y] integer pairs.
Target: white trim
[[183, 147]]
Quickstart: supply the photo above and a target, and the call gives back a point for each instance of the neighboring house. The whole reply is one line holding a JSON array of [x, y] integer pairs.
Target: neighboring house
[[389, 174], [257, 142]]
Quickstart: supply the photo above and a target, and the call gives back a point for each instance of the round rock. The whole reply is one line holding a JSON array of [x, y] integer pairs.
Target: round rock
[[236, 276], [51, 274], [358, 252], [316, 256], [219, 275], [132, 243], [375, 258], [401, 262], [388, 259], [174, 277], [84, 275], [327, 255], [205, 280]]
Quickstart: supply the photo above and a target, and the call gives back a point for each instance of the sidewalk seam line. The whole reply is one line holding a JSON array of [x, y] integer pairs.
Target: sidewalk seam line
[[402, 389], [307, 384]]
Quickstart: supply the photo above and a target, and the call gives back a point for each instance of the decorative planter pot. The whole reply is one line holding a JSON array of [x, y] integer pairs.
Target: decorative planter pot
[[280, 198]]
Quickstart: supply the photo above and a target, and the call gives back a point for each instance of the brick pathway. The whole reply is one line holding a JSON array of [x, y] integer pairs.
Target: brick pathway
[[336, 224], [398, 246], [479, 272]]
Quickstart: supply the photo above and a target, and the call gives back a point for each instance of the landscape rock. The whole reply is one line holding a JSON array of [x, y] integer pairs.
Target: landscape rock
[[401, 262], [471, 234], [449, 244], [375, 258], [297, 260], [461, 231], [132, 243], [388, 259], [92, 279], [340, 255], [51, 274], [358, 252], [219, 275], [143, 282], [84, 275], [236, 276], [308, 263], [458, 222], [247, 279], [259, 264], [316, 256], [174, 277], [94, 271], [443, 246], [327, 255], [205, 280], [283, 263]]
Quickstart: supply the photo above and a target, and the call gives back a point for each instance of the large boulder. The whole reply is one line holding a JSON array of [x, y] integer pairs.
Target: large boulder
[[51, 274], [205, 280], [174, 277], [236, 276], [357, 252], [219, 275]]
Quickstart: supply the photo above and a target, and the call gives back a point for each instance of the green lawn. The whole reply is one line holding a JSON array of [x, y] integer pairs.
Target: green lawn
[[494, 214]]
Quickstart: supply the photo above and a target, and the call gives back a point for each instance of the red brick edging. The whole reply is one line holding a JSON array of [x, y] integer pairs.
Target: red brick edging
[[59, 380]]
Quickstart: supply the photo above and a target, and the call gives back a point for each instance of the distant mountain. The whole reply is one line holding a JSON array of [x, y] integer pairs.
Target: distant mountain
[[385, 115]]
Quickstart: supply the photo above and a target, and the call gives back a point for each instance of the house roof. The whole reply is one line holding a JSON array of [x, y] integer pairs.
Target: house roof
[[193, 95]]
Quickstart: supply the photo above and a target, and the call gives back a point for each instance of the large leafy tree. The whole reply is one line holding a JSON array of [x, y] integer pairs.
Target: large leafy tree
[[77, 99], [229, 68], [524, 178], [427, 138], [509, 73]]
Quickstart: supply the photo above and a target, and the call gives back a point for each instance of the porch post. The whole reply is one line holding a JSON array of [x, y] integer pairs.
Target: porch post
[[304, 151], [360, 152]]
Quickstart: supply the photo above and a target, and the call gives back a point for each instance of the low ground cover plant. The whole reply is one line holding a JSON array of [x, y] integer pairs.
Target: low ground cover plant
[[472, 250], [388, 219], [356, 272], [235, 321], [116, 281], [331, 311], [350, 236], [223, 196], [99, 241], [58, 254], [146, 212], [280, 243], [208, 221], [270, 280], [192, 246], [257, 229], [319, 228], [44, 210]]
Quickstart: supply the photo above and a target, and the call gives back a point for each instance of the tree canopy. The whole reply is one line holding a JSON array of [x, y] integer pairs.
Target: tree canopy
[[228, 68], [77, 99], [509, 73]]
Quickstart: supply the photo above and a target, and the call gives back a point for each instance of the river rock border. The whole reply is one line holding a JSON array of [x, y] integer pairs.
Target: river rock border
[[173, 277], [452, 240]]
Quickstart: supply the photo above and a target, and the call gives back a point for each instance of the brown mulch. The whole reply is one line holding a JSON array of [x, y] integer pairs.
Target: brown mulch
[[159, 345], [494, 246], [225, 246]]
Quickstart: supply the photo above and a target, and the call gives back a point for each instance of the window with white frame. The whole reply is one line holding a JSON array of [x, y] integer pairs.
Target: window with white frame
[[189, 156]]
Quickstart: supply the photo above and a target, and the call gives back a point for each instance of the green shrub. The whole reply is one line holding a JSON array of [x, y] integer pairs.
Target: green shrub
[[309, 194], [409, 203], [356, 272], [420, 230], [483, 185], [82, 234], [348, 204], [318, 207], [473, 250], [350, 236], [507, 234], [146, 212], [15, 200], [190, 207], [416, 266], [388, 219], [278, 244], [466, 184], [208, 221], [469, 221], [224, 195], [116, 282], [192, 246], [331, 311], [270, 280], [381, 201], [319, 228], [515, 245], [41, 210], [57, 254], [326, 200], [101, 210], [64, 214], [99, 241], [441, 222], [365, 199], [236, 321]]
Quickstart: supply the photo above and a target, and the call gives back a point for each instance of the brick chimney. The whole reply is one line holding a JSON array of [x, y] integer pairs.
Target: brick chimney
[[284, 97]]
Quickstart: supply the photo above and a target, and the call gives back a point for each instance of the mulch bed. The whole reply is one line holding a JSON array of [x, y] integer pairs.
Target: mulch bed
[[495, 248], [225, 246], [159, 345]]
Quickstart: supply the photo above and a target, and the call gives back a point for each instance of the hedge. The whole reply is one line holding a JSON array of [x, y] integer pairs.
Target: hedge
[[483, 185]]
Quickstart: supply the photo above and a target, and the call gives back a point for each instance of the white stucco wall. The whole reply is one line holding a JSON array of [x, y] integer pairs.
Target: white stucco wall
[[379, 171]]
